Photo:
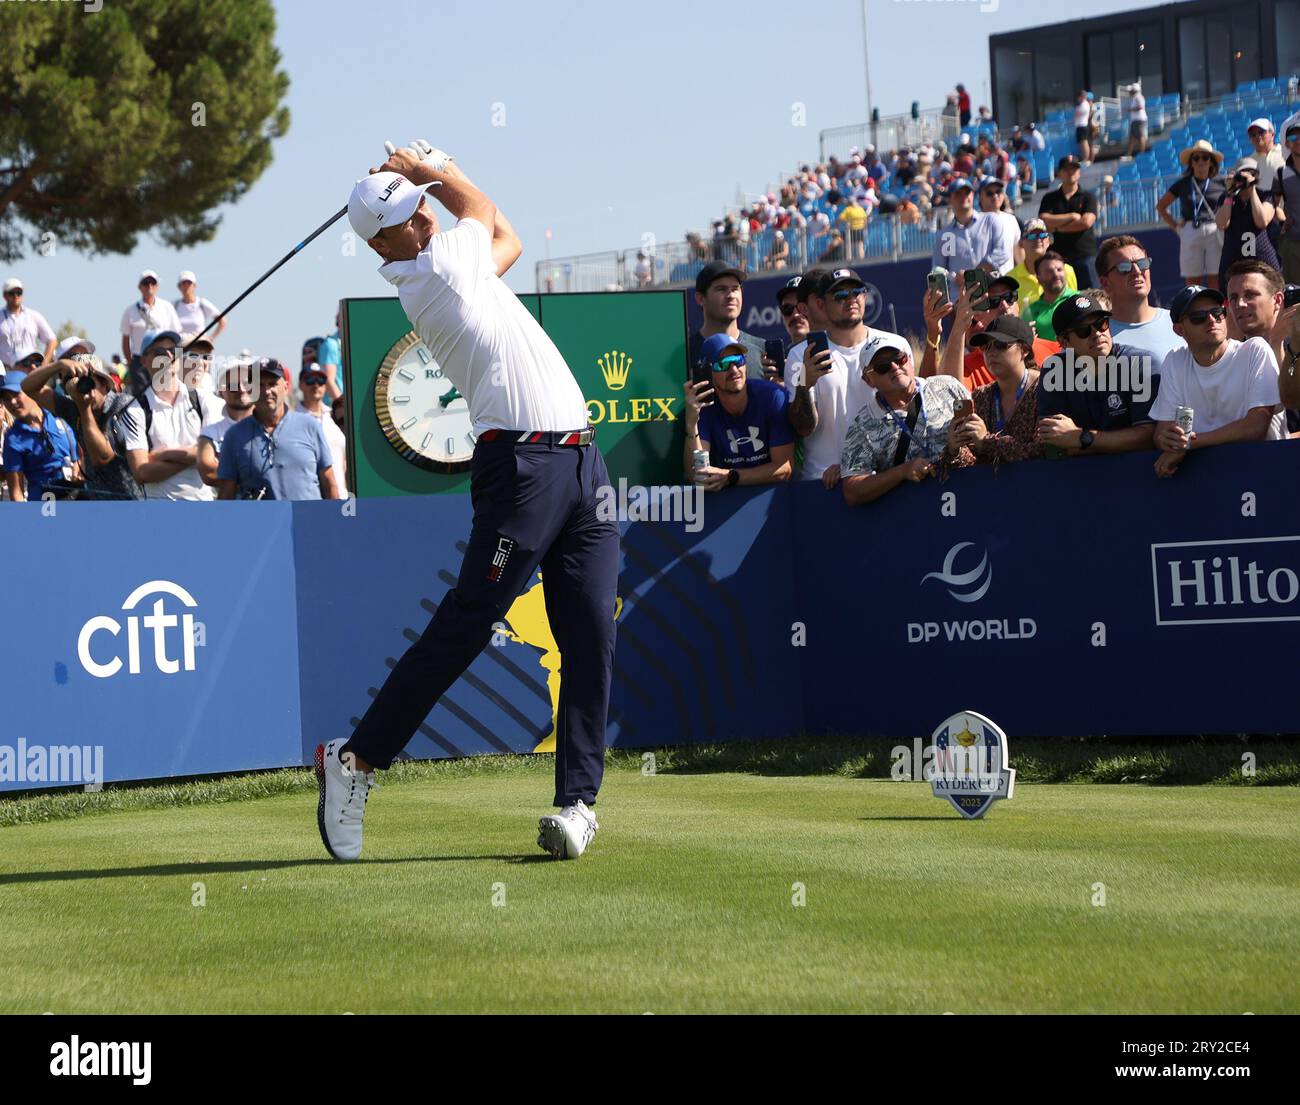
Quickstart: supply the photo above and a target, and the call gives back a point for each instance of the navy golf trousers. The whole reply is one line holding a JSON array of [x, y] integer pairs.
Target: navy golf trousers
[[534, 505]]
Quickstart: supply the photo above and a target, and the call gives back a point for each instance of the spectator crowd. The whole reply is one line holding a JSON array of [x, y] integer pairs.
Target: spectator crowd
[[166, 418]]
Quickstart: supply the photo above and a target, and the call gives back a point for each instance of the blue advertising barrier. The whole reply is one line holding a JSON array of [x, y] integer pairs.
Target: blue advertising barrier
[[901, 285], [1066, 597]]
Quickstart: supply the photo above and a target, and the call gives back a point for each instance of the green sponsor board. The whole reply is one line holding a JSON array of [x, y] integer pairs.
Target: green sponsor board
[[626, 349]]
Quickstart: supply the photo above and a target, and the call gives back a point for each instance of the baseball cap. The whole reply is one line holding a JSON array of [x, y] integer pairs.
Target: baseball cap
[[68, 344], [1005, 328], [880, 342], [269, 366], [1036, 225], [958, 183], [843, 276], [1007, 279], [193, 341], [712, 271], [1292, 124], [13, 380], [717, 344], [1069, 161], [187, 275], [155, 336], [791, 285], [813, 283], [1178, 306], [1246, 163], [13, 284], [1073, 310], [1265, 125], [383, 199], [991, 182], [148, 274]]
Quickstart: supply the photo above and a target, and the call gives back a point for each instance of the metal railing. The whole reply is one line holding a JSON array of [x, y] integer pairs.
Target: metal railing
[[893, 131], [1123, 205]]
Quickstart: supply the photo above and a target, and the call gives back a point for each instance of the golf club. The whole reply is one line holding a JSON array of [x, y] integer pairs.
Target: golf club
[[261, 279]]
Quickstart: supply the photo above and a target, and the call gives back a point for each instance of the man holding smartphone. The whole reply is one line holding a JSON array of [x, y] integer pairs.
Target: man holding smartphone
[[829, 388]]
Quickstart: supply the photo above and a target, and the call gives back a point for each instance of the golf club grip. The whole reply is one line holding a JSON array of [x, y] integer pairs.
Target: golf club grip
[[271, 271]]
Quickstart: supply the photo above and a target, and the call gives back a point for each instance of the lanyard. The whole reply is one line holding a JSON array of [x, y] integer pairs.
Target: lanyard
[[998, 420], [1199, 200], [902, 423]]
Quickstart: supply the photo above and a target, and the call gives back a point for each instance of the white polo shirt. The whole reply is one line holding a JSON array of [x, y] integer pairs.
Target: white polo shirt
[[483, 338], [21, 332], [338, 445], [194, 316], [175, 426], [138, 320]]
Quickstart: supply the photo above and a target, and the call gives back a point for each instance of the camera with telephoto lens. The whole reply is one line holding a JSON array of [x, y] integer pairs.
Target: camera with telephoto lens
[[86, 384]]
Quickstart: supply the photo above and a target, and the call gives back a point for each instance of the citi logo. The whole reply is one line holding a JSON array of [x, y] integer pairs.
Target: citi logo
[[1254, 579], [158, 621], [968, 586]]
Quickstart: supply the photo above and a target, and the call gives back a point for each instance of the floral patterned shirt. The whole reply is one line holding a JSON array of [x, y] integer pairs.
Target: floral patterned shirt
[[872, 439], [1015, 441]]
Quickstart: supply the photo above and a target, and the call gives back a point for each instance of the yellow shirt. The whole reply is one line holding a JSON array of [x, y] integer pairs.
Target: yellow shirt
[[1031, 290], [855, 217]]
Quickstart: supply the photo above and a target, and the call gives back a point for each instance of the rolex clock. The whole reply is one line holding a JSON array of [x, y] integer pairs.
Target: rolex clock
[[425, 419]]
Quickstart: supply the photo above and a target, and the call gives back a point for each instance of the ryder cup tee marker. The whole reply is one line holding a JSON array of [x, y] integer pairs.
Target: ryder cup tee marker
[[970, 763]]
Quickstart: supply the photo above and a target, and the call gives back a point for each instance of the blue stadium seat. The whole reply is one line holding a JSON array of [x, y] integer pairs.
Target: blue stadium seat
[[1247, 86]]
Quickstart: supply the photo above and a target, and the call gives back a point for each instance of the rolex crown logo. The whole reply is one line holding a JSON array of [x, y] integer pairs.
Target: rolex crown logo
[[615, 367]]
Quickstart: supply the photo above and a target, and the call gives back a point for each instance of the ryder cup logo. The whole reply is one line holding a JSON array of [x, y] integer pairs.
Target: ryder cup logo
[[970, 764], [157, 620], [968, 586]]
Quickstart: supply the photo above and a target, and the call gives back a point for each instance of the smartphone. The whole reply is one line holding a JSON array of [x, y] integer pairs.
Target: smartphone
[[702, 373], [818, 342], [937, 281], [977, 280], [775, 350], [964, 408], [1291, 295]]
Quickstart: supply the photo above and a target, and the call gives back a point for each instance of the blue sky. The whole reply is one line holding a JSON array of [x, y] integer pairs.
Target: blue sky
[[619, 120]]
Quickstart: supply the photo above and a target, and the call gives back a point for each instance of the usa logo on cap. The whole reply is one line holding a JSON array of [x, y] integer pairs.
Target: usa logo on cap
[[1083, 302]]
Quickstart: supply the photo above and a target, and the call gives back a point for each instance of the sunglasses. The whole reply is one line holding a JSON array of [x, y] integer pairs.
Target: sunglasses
[[726, 364], [1000, 346], [845, 294], [14, 291], [1002, 297], [787, 309], [1198, 318], [884, 364], [1037, 236], [1097, 326], [149, 280], [1201, 157], [1293, 136], [1126, 267], [313, 381]]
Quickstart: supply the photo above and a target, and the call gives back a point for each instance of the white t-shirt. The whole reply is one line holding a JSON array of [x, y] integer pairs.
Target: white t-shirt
[[483, 337], [175, 426], [1082, 113], [1003, 238], [195, 316], [1269, 166], [1244, 378], [24, 331], [138, 320], [1137, 108], [338, 445], [838, 396]]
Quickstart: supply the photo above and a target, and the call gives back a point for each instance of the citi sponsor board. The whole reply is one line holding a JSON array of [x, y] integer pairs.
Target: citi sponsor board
[[1253, 579], [967, 576], [157, 623]]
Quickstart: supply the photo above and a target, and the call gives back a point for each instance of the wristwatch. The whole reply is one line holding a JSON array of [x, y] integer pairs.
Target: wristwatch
[[1086, 438], [733, 477]]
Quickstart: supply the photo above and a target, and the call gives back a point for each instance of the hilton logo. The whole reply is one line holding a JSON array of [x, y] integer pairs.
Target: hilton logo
[[1255, 579], [615, 367]]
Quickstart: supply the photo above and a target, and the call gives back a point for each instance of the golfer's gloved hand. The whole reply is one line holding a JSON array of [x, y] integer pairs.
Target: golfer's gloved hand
[[423, 151]]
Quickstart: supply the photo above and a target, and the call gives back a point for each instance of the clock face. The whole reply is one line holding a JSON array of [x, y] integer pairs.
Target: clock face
[[420, 411]]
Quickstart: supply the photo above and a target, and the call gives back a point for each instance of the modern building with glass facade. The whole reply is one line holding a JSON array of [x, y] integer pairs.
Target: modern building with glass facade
[[1201, 49]]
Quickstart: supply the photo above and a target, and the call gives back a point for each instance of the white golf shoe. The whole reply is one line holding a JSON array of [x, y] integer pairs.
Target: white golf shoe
[[342, 805], [566, 834]]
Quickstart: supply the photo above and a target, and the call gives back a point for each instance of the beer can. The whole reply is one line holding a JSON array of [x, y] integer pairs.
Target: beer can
[[699, 461], [1183, 419]]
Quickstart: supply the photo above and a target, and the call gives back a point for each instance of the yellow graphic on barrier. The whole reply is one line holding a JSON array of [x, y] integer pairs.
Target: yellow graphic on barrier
[[528, 625]]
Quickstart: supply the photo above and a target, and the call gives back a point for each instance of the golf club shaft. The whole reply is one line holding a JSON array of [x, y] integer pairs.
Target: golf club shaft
[[269, 272]]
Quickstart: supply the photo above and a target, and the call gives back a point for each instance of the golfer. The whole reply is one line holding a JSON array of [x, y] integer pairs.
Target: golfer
[[533, 480]]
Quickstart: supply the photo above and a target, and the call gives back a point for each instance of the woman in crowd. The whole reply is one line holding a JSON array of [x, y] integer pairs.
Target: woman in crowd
[[1199, 193], [1002, 425]]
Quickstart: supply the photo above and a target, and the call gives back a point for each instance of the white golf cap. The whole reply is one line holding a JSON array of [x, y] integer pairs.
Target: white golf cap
[[69, 344], [383, 199], [1266, 125], [147, 275], [879, 342], [187, 275], [13, 284]]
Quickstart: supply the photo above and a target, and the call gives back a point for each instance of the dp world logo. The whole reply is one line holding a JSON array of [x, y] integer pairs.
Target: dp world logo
[[102, 657], [967, 585]]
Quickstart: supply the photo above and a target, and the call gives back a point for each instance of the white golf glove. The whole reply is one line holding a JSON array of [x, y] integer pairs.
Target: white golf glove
[[436, 158]]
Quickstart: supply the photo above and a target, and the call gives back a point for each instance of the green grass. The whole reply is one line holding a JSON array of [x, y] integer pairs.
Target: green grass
[[683, 904]]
